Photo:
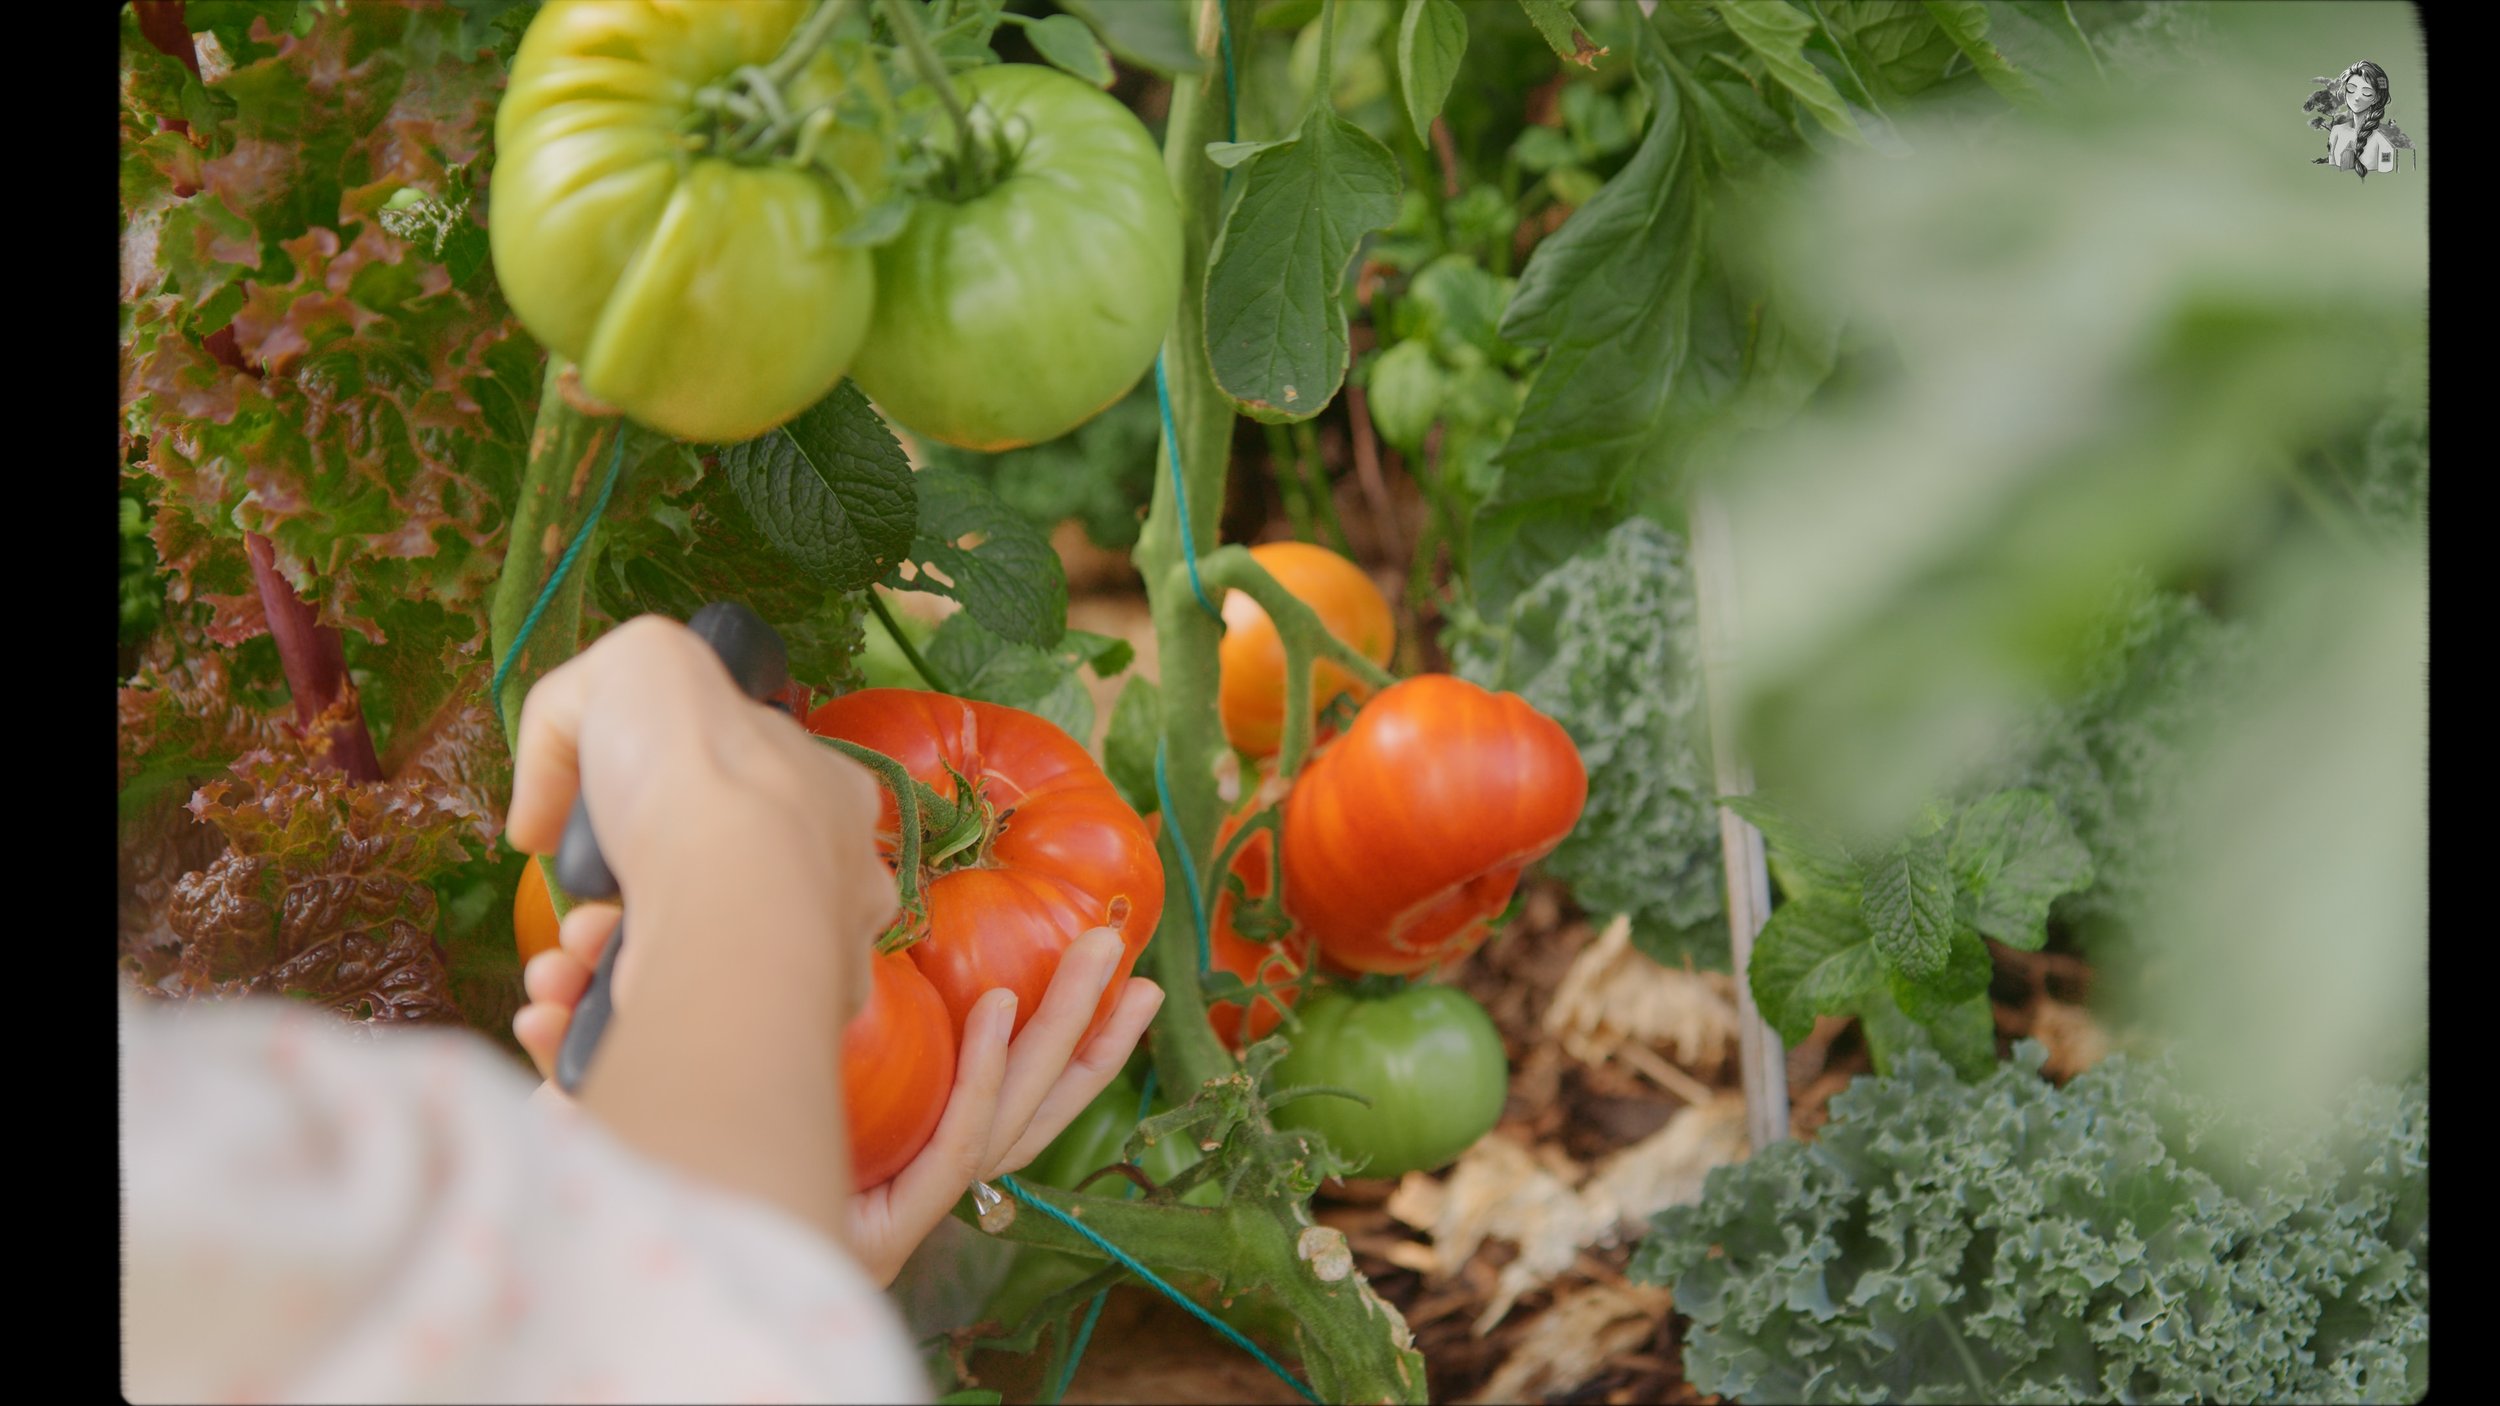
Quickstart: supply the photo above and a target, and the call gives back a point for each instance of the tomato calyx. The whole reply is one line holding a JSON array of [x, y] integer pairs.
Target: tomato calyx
[[749, 116]]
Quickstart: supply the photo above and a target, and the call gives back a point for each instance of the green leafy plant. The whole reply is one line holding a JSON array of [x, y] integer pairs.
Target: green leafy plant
[[2003, 1239], [1898, 933]]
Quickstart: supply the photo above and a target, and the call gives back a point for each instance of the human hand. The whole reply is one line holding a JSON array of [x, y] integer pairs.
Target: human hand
[[748, 852], [1009, 1100]]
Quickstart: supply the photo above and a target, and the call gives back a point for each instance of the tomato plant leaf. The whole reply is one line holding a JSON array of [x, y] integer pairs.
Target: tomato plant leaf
[[1895, 46], [1776, 31], [1405, 385], [1149, 33], [830, 490], [1010, 579], [1066, 44], [1813, 958], [1553, 21], [1652, 335], [1432, 39], [2016, 856], [1128, 748], [1965, 22], [1907, 897], [1276, 328]]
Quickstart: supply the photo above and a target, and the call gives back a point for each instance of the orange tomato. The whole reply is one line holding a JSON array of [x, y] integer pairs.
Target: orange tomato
[[533, 912], [1252, 656]]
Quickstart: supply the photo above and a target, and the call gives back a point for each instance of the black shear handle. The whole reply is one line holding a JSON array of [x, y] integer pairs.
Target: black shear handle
[[760, 666]]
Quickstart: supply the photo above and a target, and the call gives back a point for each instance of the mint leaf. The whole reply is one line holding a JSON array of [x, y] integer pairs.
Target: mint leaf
[[1276, 328], [981, 665], [2015, 856], [1778, 33], [1128, 749], [830, 490], [1907, 898], [1432, 39], [1811, 959], [1066, 44], [1011, 580], [1965, 22], [1807, 860], [1966, 973]]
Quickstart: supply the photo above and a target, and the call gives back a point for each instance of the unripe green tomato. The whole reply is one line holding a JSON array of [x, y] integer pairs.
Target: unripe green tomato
[[1018, 313], [1428, 1058], [707, 297]]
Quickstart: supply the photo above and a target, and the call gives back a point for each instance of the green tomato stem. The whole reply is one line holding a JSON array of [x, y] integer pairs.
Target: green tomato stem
[[805, 41], [569, 444], [894, 631], [932, 70], [1306, 640], [915, 806], [1353, 1346]]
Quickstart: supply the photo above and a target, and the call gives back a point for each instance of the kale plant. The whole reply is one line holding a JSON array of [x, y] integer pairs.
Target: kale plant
[[2008, 1240]]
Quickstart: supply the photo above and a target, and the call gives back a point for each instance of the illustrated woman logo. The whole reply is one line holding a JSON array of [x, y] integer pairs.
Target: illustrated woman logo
[[2352, 107]]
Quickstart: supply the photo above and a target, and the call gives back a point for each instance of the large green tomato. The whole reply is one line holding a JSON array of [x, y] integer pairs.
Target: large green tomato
[[1429, 1060], [706, 297], [1016, 314]]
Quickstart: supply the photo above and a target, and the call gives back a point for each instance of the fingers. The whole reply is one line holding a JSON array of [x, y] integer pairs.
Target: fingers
[[1043, 1051], [922, 1193], [540, 1027], [1089, 1074]]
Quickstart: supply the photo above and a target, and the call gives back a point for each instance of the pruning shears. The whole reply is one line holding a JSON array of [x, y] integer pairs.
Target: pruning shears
[[760, 666]]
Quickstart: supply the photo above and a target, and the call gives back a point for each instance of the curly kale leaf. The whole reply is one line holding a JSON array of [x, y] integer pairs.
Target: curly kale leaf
[[1608, 644], [2008, 1240]]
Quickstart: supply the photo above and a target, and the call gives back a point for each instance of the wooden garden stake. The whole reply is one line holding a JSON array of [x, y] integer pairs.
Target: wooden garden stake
[[1762, 1062]]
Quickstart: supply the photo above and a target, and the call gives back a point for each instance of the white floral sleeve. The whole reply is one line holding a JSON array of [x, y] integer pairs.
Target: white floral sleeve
[[310, 1215]]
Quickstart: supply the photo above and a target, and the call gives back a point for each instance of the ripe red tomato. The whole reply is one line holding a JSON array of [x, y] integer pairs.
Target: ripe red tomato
[[898, 1068], [533, 912], [1280, 963], [1405, 836], [1060, 852], [1253, 657]]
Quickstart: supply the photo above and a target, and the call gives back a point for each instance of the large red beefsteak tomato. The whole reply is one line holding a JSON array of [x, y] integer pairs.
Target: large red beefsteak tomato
[[1059, 853], [1405, 837]]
